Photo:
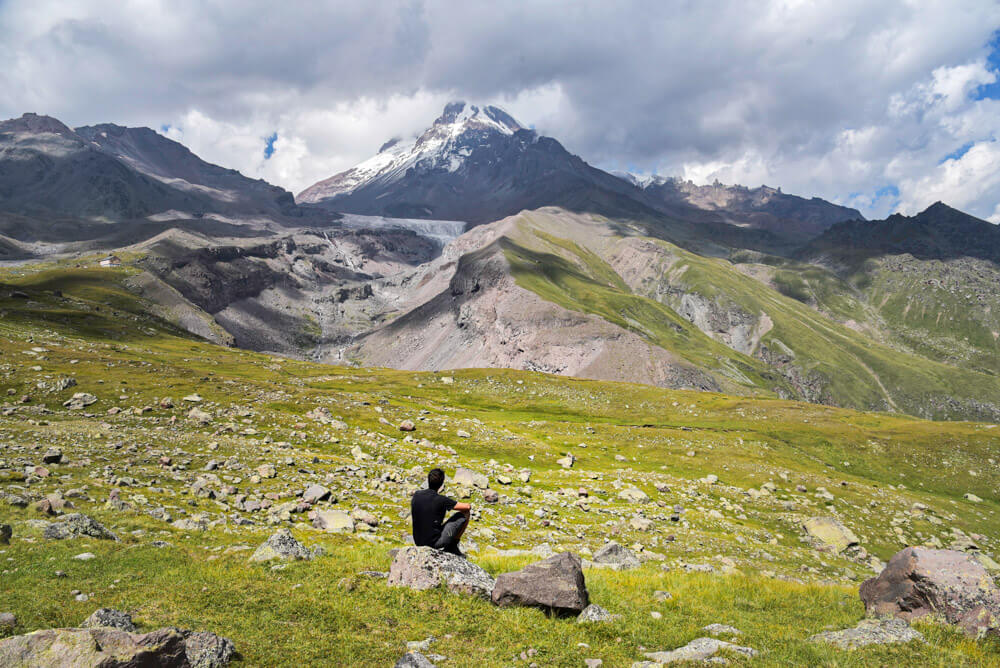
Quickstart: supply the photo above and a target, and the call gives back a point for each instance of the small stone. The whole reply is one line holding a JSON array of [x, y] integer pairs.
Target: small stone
[[490, 496], [109, 618], [461, 433], [407, 425], [52, 456], [7, 621], [85, 556], [413, 660], [614, 555], [721, 630], [595, 613], [700, 649]]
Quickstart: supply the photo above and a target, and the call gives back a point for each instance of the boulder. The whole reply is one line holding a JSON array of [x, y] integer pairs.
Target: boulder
[[423, 568], [633, 495], [555, 584], [468, 478], [870, 632], [315, 493], [207, 650], [595, 613], [413, 660], [56, 648], [79, 401], [198, 415], [616, 556], [333, 521], [109, 618], [281, 545], [830, 531], [919, 581], [699, 649], [407, 425], [76, 525]]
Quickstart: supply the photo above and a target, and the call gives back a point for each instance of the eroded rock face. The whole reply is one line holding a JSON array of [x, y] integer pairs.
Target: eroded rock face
[[919, 581], [76, 525], [423, 568], [104, 647], [556, 584]]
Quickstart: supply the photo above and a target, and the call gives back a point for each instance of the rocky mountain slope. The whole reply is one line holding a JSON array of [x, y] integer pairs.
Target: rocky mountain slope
[[578, 294], [107, 186], [479, 164], [761, 208]]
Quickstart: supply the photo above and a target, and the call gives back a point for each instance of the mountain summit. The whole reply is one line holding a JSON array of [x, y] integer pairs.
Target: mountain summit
[[475, 164]]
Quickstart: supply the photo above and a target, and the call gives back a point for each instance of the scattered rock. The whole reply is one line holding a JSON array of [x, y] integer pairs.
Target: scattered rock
[[555, 584], [79, 401], [207, 650], [870, 632], [969, 496], [423, 568], [109, 618], [315, 493], [407, 425], [6, 532], [461, 433], [699, 649], [469, 478], [7, 621], [198, 415], [633, 495], [413, 660], [52, 456], [76, 525], [616, 556], [490, 496], [281, 545], [919, 581], [333, 521], [56, 648], [830, 531], [721, 630], [595, 613]]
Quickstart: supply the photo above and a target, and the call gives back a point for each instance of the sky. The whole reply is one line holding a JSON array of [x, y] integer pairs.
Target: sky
[[884, 106]]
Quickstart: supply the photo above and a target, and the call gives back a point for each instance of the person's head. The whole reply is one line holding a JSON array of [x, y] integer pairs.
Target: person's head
[[435, 479]]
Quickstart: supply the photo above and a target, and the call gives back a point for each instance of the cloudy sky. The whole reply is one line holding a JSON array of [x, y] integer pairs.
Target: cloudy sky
[[885, 106]]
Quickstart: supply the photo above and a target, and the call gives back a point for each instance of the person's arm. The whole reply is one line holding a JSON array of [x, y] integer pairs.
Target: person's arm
[[463, 508]]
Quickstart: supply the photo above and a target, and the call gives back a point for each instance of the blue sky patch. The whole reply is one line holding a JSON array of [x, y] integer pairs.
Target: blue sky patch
[[957, 153], [991, 91], [165, 128], [269, 145]]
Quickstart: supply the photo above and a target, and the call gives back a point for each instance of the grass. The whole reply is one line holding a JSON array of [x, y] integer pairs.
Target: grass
[[323, 612]]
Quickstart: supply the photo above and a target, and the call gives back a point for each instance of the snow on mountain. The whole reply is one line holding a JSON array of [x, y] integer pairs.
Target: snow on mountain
[[446, 144]]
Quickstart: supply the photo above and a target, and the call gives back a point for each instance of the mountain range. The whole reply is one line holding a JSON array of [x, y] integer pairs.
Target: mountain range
[[480, 243]]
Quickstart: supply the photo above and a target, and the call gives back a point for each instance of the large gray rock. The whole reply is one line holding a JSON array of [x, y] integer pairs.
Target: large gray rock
[[79, 401], [555, 584], [315, 493], [109, 618], [281, 545], [207, 650], [423, 568], [469, 478], [870, 632], [77, 525], [919, 581], [699, 649], [103, 647], [413, 660], [831, 532], [333, 521], [616, 556]]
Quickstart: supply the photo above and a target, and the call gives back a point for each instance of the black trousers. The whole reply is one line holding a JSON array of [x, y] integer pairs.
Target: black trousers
[[449, 533]]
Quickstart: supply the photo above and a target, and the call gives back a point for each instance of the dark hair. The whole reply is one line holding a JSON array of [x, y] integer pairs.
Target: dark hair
[[435, 479]]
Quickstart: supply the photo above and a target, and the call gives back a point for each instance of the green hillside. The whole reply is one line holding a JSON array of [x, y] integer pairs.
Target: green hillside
[[735, 554]]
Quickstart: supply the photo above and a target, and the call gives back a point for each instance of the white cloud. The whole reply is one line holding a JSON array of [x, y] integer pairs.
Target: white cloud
[[836, 98]]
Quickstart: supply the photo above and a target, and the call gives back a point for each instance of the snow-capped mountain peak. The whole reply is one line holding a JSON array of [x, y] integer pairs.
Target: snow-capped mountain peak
[[444, 145]]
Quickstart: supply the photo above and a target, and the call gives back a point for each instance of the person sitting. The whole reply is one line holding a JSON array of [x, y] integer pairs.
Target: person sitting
[[428, 508]]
